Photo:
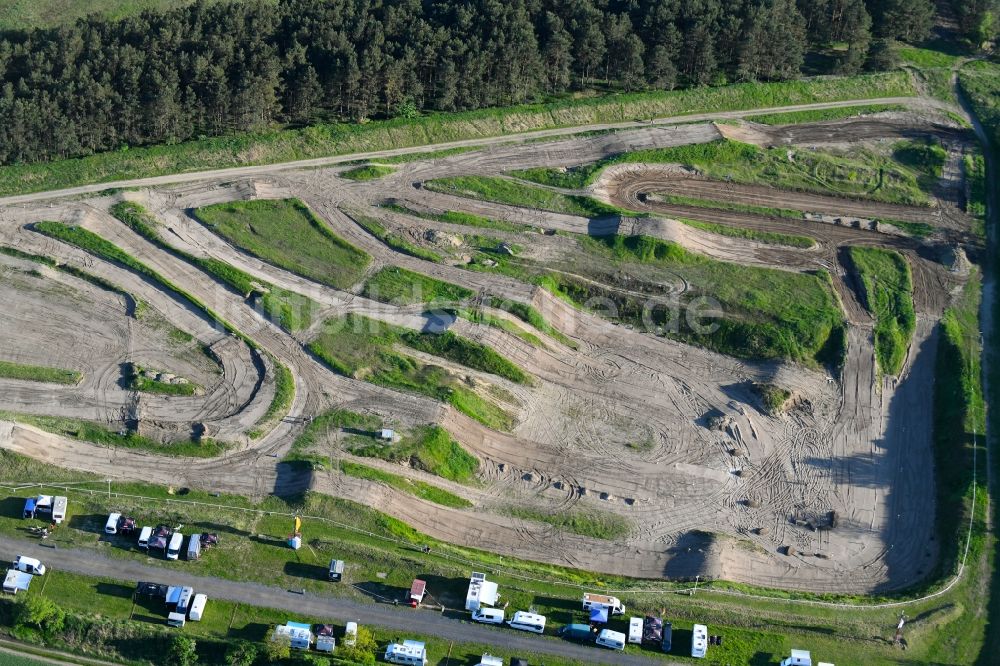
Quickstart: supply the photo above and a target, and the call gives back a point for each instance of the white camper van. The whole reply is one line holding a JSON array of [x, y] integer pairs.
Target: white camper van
[[144, 536], [174, 549], [488, 615], [525, 621], [409, 653], [29, 565], [611, 639], [351, 634], [111, 527]]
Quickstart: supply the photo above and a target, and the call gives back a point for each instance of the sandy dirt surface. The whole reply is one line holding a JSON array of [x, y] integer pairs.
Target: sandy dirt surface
[[829, 496]]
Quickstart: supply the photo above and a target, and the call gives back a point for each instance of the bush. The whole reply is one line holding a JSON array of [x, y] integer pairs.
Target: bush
[[39, 612], [241, 654], [183, 651], [277, 648], [364, 649]]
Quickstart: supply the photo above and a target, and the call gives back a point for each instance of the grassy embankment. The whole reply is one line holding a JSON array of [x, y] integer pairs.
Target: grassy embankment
[[888, 294], [268, 147], [501, 190], [464, 219], [356, 346], [413, 487], [934, 69], [292, 311], [98, 282], [99, 247], [404, 287], [905, 177], [39, 373], [393, 240], [429, 448], [822, 115], [142, 379], [764, 313], [369, 172], [596, 524], [766, 237], [287, 234]]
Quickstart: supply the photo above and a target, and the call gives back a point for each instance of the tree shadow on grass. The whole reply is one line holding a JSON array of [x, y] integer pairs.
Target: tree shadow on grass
[[304, 570]]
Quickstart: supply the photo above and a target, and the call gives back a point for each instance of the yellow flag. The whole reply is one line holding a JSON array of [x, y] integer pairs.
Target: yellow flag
[[298, 524]]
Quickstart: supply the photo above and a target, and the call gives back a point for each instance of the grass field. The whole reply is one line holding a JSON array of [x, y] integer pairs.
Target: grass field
[[859, 173], [760, 313], [287, 234], [393, 240], [888, 295], [594, 524], [501, 190], [355, 346], [38, 373], [340, 139], [429, 448], [22, 14], [369, 172], [403, 287], [821, 115], [291, 311]]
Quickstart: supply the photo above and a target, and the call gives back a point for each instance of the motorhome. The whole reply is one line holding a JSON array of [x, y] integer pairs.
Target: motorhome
[[409, 653], [16, 581], [185, 599], [174, 549], [144, 536], [525, 621], [801, 658], [299, 635], [488, 615], [481, 592], [197, 607], [336, 570], [59, 509], [613, 604], [194, 547], [611, 639], [111, 526], [699, 641], [29, 565], [490, 660]]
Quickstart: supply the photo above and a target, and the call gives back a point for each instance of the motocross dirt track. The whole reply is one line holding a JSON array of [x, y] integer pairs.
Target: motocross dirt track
[[719, 488]]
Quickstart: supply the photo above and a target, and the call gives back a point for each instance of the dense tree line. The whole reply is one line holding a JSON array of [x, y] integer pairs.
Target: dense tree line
[[978, 20], [206, 70]]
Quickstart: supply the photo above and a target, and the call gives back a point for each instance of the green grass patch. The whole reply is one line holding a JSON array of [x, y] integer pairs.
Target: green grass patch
[[772, 397], [860, 173], [822, 115], [480, 316], [513, 193], [975, 174], [369, 172], [888, 295], [410, 486], [39, 373], [914, 229], [768, 237], [292, 311], [596, 524], [404, 287], [394, 241], [429, 448], [695, 202], [287, 234], [530, 315], [95, 433], [464, 219], [359, 347], [926, 58], [758, 312], [272, 146], [284, 394]]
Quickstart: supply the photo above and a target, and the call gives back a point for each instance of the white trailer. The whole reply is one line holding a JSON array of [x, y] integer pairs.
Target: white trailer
[[635, 630], [613, 604], [699, 641], [798, 658], [59, 509]]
